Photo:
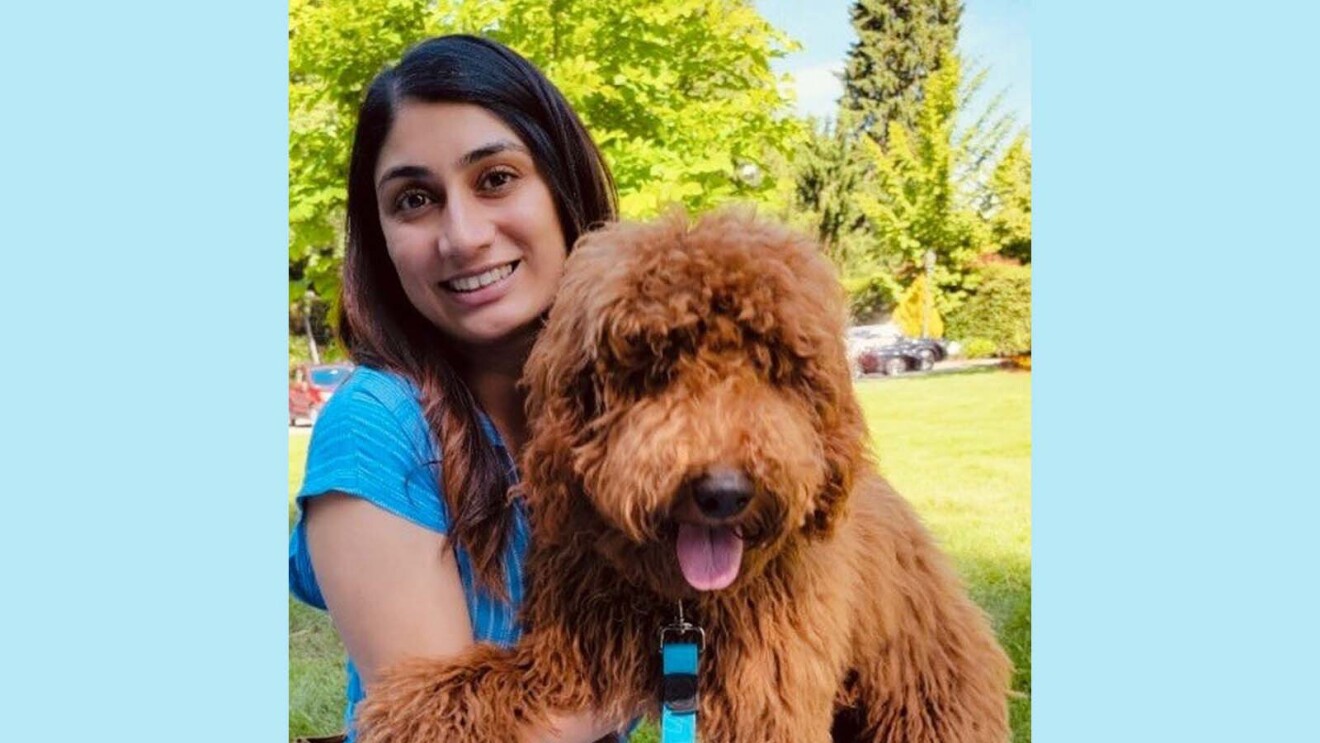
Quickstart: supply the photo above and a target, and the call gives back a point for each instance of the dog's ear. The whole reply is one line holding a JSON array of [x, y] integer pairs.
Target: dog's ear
[[808, 324], [845, 458], [563, 393]]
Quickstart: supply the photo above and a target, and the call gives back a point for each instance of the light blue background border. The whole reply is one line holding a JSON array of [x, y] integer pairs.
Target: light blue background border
[[1174, 442], [143, 302]]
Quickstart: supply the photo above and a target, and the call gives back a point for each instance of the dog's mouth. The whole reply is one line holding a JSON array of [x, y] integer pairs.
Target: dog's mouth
[[709, 556], [715, 519]]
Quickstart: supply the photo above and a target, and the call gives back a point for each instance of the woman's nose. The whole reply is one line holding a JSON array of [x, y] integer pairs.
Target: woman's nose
[[467, 229]]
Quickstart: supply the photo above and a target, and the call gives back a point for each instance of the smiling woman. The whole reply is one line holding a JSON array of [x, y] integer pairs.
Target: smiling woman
[[469, 223], [470, 180]]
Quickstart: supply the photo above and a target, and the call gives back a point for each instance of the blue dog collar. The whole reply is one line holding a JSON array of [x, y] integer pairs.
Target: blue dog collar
[[680, 650], [678, 714]]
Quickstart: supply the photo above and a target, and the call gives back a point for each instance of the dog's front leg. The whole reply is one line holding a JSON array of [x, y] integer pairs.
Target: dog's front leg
[[929, 668], [486, 694]]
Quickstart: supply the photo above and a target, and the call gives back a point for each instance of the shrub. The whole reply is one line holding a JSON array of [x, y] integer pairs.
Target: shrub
[[978, 348], [999, 311], [870, 298]]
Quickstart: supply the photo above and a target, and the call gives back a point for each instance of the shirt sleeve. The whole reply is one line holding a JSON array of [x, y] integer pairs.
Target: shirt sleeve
[[370, 441]]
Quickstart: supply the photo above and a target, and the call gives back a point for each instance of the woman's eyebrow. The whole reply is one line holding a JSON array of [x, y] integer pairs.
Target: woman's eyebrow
[[403, 171], [490, 149], [480, 153]]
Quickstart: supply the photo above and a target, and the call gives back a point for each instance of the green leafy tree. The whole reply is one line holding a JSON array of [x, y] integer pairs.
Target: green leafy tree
[[927, 184], [899, 44], [679, 95], [335, 48], [1008, 202]]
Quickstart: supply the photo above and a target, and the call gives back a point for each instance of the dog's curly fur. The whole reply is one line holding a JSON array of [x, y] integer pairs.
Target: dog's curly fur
[[674, 347]]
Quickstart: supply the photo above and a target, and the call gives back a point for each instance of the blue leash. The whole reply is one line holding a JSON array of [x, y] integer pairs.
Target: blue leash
[[680, 648]]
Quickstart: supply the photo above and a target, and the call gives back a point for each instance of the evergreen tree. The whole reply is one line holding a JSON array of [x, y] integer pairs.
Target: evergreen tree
[[915, 305], [899, 43], [829, 170]]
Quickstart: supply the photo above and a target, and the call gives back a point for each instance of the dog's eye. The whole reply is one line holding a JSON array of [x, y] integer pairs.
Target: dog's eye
[[590, 399], [781, 368], [770, 364], [783, 371], [645, 381], [659, 376]]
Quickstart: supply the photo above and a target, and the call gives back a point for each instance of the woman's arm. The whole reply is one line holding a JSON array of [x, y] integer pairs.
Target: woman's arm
[[393, 592]]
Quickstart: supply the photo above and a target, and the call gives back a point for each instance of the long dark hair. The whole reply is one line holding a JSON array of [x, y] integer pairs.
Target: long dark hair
[[379, 327]]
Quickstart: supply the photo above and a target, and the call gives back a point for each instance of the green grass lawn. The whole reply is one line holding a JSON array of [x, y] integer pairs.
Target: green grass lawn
[[958, 446]]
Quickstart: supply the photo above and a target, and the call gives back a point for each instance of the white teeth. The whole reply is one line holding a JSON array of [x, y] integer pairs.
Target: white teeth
[[473, 283]]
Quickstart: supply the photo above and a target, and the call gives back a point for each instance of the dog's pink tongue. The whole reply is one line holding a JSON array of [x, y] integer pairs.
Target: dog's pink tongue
[[709, 557]]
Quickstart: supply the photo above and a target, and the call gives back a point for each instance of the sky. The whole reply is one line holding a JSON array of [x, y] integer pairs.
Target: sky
[[994, 34]]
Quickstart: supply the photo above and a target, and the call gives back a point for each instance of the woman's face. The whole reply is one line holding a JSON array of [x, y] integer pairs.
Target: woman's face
[[470, 224]]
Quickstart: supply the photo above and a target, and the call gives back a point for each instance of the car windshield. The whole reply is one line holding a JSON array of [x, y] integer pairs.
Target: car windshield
[[329, 376], [871, 332]]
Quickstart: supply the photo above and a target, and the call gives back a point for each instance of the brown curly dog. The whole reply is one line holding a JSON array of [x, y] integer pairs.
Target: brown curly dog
[[695, 438]]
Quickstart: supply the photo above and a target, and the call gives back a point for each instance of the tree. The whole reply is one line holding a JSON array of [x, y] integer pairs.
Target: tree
[[928, 183], [915, 305], [694, 127], [830, 168], [899, 44], [1008, 202], [335, 48]]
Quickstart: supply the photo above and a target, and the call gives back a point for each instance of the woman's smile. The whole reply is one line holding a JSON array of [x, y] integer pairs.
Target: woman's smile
[[482, 287]]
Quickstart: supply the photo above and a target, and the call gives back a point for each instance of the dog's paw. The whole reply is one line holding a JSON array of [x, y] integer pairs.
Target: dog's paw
[[424, 701]]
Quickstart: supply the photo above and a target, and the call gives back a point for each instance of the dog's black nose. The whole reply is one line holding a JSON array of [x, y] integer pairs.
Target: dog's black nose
[[722, 492]]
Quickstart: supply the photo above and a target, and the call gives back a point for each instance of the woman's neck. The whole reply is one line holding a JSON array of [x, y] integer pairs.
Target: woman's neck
[[492, 375]]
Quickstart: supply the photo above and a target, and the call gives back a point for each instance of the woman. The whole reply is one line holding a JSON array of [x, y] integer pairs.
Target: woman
[[470, 179]]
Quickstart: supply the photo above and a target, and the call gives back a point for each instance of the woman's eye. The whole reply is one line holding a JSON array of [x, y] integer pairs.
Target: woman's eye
[[495, 180], [410, 200]]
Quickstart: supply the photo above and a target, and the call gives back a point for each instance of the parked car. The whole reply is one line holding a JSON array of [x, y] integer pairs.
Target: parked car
[[862, 338], [310, 386], [903, 355]]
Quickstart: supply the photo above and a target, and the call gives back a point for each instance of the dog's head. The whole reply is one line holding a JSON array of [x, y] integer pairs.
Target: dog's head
[[691, 386]]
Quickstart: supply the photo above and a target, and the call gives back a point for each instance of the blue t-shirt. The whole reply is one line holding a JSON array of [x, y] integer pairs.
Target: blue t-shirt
[[371, 440]]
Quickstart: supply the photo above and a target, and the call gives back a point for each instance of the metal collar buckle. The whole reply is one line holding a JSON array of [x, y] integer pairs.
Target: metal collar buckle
[[681, 630]]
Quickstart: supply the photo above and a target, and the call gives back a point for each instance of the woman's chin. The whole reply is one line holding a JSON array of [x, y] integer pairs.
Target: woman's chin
[[516, 333]]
